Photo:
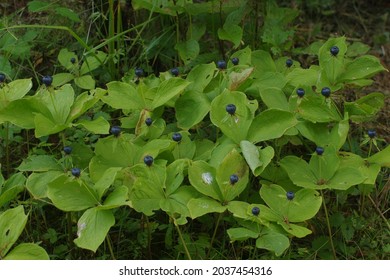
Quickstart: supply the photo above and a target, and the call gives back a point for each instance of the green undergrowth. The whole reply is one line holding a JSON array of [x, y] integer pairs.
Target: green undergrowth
[[250, 156]]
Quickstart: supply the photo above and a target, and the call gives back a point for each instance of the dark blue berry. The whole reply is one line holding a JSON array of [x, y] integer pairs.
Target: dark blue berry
[[76, 172], [176, 137], [231, 109], [300, 92], [256, 211], [73, 60], [148, 160], [47, 80], [371, 133], [221, 64], [235, 60], [290, 195], [139, 72], [67, 150], [319, 150], [334, 50], [289, 63], [2, 78], [233, 179], [325, 92], [175, 71], [115, 130], [148, 121]]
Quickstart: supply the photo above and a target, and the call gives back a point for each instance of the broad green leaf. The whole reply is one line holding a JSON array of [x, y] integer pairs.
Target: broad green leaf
[[12, 223], [202, 177], [368, 169], [298, 76], [10, 193], [175, 205], [191, 108], [64, 58], [274, 98], [105, 181], [84, 102], [85, 82], [92, 62], [263, 62], [346, 177], [244, 55], [68, 13], [362, 67], [239, 77], [112, 152], [326, 165], [320, 134], [37, 183], [318, 109], [302, 207], [122, 95], [267, 80], [160, 6], [302, 174], [21, 112], [185, 148], [232, 33], [299, 172], [200, 76], [27, 251], [12, 187], [332, 66], [241, 234], [204, 205], [39, 163], [296, 230], [14, 90], [234, 126], [58, 102], [188, 50], [225, 146], [382, 158], [272, 241], [167, 90], [357, 48], [204, 148], [116, 198], [93, 227], [98, 126], [148, 188], [257, 158], [270, 124], [68, 194], [38, 6], [46, 126], [366, 107], [61, 79], [232, 164]]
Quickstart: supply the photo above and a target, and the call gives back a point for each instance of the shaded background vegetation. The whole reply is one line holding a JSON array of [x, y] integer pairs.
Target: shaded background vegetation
[[150, 44]]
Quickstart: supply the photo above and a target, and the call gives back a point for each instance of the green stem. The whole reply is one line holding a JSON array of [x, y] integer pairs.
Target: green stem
[[109, 244], [379, 211], [214, 234], [7, 149], [111, 34], [182, 240], [328, 224], [69, 227], [363, 196], [149, 237]]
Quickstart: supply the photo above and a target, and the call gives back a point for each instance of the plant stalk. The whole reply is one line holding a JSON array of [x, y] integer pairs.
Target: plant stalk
[[182, 241], [328, 224]]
